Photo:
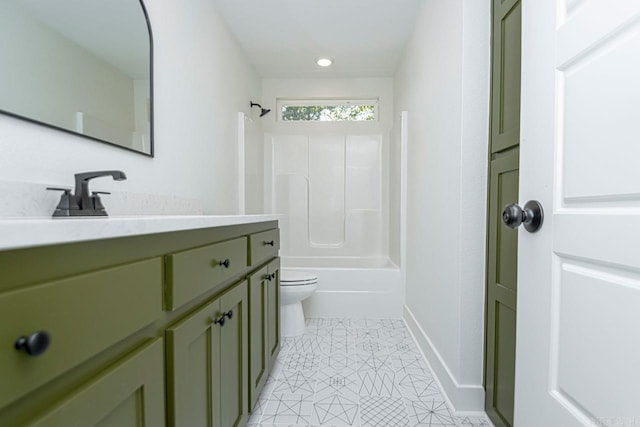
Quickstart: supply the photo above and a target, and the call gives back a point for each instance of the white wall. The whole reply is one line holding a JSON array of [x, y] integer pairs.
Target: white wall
[[202, 81], [443, 82]]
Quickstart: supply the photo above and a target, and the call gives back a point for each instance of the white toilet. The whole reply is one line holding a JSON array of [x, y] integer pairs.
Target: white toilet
[[295, 286]]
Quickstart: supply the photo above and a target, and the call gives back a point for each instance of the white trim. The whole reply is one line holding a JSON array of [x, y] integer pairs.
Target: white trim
[[464, 399], [404, 171], [241, 164]]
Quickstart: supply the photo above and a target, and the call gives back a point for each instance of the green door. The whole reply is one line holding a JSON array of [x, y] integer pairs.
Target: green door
[[273, 312], [234, 357], [258, 355], [193, 369], [503, 189], [130, 394]]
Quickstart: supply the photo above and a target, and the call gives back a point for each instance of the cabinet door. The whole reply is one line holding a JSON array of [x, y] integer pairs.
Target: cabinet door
[[273, 312], [234, 357], [131, 394], [258, 352], [193, 369]]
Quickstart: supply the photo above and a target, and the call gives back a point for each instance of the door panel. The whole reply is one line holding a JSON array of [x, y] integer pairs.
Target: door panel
[[192, 369], [580, 285], [234, 358], [502, 242], [273, 312], [501, 292], [505, 69], [129, 394], [258, 355], [506, 172]]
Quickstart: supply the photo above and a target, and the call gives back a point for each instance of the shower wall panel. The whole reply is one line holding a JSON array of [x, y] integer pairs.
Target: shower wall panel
[[329, 187], [326, 191]]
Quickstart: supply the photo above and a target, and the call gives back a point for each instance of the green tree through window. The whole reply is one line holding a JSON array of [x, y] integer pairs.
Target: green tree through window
[[328, 113]]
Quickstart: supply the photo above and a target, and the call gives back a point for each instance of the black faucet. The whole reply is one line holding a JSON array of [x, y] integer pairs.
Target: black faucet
[[82, 203]]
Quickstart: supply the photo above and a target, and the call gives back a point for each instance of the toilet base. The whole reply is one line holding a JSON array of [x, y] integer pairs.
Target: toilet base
[[291, 320]]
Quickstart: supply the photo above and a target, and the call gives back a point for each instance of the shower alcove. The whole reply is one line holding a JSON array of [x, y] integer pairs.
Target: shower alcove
[[330, 185]]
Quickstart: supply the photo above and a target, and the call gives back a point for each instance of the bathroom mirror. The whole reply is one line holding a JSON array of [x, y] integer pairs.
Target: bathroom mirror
[[81, 66]]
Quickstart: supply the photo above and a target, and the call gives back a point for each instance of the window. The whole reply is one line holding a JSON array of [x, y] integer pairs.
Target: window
[[328, 110]]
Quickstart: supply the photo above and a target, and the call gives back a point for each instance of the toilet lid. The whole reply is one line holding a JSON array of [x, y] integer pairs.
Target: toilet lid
[[295, 277]]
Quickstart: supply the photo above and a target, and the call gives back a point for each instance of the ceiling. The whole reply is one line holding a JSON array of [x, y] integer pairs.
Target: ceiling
[[283, 38]]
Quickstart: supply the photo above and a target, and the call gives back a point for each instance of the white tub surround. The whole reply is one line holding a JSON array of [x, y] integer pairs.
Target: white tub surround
[[21, 233], [351, 287]]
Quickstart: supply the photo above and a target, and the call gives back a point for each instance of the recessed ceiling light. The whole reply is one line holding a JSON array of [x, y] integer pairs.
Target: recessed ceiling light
[[324, 62]]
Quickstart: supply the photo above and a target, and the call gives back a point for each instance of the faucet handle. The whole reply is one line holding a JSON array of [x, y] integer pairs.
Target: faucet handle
[[66, 190], [97, 202], [65, 202]]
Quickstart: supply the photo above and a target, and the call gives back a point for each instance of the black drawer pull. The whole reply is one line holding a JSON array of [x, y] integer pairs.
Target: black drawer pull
[[220, 321], [270, 243], [35, 344], [270, 277], [226, 263]]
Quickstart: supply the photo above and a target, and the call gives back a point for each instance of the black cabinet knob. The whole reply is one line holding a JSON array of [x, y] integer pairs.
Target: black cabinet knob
[[35, 344], [221, 320], [270, 243], [226, 263]]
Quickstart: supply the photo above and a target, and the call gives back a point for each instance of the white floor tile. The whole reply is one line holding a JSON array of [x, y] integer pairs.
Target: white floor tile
[[353, 372]]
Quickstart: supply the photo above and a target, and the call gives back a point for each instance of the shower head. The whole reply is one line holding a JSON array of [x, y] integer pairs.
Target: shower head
[[263, 111]]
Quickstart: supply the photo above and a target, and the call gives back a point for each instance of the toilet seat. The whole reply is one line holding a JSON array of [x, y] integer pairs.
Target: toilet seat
[[296, 278]]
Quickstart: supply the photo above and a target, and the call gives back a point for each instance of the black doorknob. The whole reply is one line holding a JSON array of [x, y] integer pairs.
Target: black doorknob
[[226, 263], [532, 216], [35, 344]]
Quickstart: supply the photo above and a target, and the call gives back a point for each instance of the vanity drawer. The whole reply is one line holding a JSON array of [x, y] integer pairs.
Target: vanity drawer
[[263, 246], [193, 272], [82, 315]]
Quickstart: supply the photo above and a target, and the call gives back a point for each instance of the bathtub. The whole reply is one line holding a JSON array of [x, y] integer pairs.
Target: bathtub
[[351, 287]]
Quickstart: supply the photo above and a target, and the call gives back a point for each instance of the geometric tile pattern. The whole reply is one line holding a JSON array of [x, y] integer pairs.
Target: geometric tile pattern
[[430, 413], [378, 411], [353, 372]]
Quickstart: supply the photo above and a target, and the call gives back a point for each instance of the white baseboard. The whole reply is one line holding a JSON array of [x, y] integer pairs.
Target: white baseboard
[[464, 399]]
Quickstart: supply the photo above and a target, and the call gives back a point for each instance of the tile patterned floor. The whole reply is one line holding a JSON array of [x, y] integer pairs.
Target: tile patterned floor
[[352, 372]]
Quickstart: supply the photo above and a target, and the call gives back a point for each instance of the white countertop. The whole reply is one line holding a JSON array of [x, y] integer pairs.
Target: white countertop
[[27, 232]]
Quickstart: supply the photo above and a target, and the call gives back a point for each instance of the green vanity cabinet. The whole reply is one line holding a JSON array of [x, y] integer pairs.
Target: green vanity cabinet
[[234, 357], [193, 272], [263, 245], [78, 315], [264, 325], [258, 331], [273, 312], [147, 331], [207, 364], [130, 394]]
